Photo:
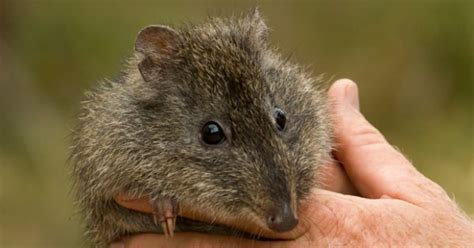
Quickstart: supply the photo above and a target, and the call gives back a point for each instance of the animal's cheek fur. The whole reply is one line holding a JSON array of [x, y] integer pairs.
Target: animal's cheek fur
[[200, 199], [236, 184], [308, 156]]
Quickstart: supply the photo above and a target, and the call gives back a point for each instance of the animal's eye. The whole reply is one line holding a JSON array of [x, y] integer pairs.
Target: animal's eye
[[280, 119], [212, 133]]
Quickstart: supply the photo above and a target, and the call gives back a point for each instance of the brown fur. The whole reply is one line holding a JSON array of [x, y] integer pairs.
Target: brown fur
[[142, 136]]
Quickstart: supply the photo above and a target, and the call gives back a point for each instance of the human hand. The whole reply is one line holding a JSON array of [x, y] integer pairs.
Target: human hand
[[396, 206]]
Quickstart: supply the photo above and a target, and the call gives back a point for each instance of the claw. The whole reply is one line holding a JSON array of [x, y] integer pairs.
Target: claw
[[169, 223], [165, 211], [165, 228]]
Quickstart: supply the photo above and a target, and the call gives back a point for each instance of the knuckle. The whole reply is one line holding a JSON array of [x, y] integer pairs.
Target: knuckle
[[365, 135]]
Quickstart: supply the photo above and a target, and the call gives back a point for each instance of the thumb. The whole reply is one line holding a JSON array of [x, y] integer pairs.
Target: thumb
[[374, 166]]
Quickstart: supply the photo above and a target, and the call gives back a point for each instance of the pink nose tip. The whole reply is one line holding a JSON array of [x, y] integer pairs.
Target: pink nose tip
[[282, 219]]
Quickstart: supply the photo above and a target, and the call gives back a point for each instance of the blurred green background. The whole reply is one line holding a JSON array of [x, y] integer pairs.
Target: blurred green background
[[413, 61]]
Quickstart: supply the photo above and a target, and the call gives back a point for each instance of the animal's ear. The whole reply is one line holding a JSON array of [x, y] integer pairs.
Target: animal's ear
[[156, 43], [257, 24], [156, 39]]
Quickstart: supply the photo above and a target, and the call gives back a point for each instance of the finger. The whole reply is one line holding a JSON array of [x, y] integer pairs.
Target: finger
[[372, 164], [192, 240], [137, 204], [323, 210], [333, 177], [242, 223]]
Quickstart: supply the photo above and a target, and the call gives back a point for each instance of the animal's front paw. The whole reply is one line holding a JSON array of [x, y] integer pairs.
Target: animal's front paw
[[165, 210]]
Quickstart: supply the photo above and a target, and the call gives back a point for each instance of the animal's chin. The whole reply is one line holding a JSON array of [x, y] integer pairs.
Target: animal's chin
[[184, 224], [243, 225]]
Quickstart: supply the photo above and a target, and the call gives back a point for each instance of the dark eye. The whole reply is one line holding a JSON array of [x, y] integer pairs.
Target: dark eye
[[280, 119], [212, 133]]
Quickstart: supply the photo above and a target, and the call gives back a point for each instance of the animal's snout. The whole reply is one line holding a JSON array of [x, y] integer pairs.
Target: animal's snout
[[282, 218]]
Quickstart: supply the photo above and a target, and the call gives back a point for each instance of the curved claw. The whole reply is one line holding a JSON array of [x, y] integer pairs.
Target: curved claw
[[164, 211]]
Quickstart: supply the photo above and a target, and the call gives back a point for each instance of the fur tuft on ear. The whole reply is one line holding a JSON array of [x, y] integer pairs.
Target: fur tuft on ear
[[258, 27], [156, 44]]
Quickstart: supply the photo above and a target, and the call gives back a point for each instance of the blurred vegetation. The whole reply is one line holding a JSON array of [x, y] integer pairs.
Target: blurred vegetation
[[413, 61]]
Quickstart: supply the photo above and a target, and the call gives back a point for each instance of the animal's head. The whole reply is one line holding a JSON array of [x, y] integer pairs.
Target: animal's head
[[216, 119]]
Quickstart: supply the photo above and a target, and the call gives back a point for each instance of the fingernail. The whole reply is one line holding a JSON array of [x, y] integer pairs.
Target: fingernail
[[118, 244], [352, 95]]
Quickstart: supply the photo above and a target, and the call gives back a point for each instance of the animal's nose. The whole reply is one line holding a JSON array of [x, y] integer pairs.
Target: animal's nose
[[282, 219]]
